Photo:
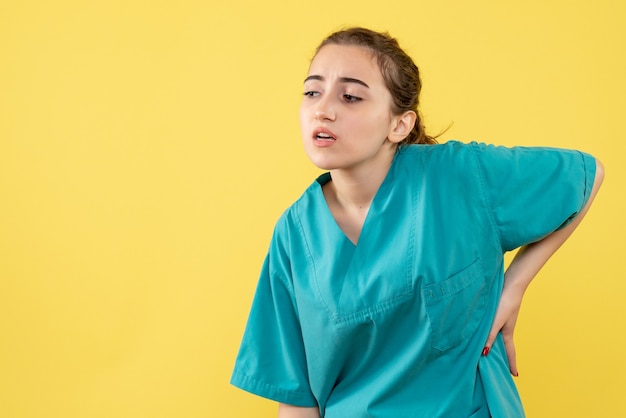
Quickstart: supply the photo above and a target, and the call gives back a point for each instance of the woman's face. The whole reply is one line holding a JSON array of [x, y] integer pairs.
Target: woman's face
[[345, 115]]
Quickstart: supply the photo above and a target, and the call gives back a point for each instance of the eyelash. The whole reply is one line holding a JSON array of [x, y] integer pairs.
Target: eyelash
[[348, 97], [351, 99]]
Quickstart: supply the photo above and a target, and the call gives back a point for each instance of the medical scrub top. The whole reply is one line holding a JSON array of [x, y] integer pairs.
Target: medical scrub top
[[394, 326]]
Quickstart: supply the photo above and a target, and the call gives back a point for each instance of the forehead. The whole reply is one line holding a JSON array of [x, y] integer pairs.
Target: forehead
[[345, 60]]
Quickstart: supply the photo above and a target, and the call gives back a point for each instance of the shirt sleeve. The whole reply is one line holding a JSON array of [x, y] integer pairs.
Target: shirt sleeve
[[271, 362], [533, 191]]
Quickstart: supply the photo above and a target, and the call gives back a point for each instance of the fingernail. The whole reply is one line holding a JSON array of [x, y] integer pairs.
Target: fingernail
[[485, 351], [516, 375]]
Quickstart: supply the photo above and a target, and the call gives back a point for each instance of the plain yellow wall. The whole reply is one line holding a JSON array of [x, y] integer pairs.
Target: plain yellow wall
[[147, 148]]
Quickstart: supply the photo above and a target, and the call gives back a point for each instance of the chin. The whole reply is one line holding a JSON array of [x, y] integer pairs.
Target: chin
[[324, 165], [321, 161]]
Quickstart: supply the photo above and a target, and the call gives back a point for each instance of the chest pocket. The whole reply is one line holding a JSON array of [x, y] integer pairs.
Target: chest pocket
[[455, 306]]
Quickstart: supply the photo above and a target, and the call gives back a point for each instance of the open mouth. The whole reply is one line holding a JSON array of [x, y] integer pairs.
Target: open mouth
[[324, 137], [323, 134]]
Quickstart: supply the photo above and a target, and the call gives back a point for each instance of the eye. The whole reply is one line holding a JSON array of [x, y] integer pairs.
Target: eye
[[351, 99], [311, 93]]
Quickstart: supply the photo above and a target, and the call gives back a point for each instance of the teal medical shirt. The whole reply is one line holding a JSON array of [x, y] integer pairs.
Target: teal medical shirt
[[394, 326]]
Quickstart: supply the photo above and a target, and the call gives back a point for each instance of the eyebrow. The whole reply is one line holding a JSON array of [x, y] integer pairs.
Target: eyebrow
[[341, 79]]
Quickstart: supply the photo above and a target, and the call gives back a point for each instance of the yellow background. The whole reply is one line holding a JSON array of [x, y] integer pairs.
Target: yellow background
[[147, 148]]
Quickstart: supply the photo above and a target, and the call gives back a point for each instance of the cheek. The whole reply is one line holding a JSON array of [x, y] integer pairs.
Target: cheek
[[304, 121], [302, 115], [383, 121], [373, 123]]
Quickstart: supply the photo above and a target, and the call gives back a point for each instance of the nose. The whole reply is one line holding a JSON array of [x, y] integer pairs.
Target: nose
[[324, 110]]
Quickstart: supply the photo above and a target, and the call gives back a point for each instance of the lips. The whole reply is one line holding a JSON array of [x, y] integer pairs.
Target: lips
[[323, 134]]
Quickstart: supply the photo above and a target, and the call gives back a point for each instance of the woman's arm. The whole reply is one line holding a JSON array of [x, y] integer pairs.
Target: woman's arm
[[526, 264], [290, 411]]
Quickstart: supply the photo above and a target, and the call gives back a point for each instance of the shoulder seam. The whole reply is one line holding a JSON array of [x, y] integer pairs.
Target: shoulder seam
[[485, 197]]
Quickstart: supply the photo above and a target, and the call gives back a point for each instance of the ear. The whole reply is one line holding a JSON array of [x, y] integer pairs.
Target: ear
[[401, 126]]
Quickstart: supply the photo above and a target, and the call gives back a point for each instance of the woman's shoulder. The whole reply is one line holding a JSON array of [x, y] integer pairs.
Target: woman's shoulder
[[451, 147], [443, 156], [457, 152], [291, 216]]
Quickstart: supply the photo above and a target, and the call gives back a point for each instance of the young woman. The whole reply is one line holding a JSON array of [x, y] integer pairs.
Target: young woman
[[383, 293]]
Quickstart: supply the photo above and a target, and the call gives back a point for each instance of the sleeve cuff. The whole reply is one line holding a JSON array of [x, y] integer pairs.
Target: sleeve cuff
[[265, 390]]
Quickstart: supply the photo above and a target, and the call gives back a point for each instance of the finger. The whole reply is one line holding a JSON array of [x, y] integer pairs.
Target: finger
[[495, 329], [509, 347], [498, 322]]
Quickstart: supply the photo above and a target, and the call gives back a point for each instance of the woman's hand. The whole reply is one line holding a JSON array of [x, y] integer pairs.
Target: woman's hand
[[506, 318]]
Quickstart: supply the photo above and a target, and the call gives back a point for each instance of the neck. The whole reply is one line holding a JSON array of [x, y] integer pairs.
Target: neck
[[355, 187]]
